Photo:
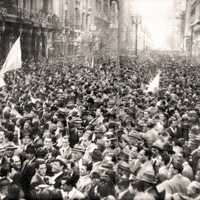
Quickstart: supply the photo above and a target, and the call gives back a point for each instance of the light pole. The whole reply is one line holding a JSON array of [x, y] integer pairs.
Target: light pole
[[136, 20]]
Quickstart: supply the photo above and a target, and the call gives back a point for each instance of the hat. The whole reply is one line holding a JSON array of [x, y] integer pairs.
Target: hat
[[11, 146], [134, 135], [78, 148], [124, 166], [97, 155], [147, 176], [2, 148], [195, 129], [61, 160], [185, 117], [169, 148], [158, 144], [107, 166]]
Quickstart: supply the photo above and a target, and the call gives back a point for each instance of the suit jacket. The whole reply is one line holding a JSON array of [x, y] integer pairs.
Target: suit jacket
[[37, 180]]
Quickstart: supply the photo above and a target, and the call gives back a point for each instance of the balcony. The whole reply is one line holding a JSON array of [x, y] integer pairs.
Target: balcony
[[16, 15]]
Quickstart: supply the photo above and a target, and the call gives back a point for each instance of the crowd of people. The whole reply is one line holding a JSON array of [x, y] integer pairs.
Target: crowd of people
[[76, 132]]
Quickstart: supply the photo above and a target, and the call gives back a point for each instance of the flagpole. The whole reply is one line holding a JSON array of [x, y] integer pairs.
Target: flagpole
[[14, 74]]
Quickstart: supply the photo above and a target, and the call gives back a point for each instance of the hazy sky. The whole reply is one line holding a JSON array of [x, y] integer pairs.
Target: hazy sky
[[157, 16]]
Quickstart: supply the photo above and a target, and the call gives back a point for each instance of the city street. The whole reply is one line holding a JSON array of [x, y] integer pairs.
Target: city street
[[99, 100]]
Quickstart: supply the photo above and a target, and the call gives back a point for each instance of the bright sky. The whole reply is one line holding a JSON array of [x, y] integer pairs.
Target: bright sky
[[156, 16]]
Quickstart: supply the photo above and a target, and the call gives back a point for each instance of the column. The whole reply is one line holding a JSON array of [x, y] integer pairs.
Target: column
[[37, 43], [44, 43], [33, 44], [29, 43]]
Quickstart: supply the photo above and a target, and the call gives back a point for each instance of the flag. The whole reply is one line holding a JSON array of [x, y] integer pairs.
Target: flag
[[154, 84], [2, 82], [13, 60], [15, 112]]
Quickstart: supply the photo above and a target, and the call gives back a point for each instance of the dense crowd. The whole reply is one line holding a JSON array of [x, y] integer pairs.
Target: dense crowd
[[76, 132]]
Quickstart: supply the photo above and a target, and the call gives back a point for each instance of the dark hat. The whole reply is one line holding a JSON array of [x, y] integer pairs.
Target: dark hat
[[169, 148], [40, 161], [97, 155], [61, 160]]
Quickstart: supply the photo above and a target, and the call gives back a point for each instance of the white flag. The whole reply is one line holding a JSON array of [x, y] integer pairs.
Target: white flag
[[154, 84], [14, 58], [15, 112], [2, 82]]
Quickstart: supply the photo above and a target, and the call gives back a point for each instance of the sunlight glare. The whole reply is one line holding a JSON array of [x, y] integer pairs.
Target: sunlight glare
[[156, 16]]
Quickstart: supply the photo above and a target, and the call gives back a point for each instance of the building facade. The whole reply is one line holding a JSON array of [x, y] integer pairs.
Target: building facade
[[90, 28], [192, 28], [34, 21]]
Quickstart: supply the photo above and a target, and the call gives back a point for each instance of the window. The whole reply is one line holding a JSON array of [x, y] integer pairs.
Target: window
[[66, 18], [83, 22], [77, 17], [193, 11], [105, 7], [98, 6]]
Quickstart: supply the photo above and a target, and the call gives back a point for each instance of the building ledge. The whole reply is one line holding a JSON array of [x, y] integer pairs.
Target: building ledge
[[196, 22]]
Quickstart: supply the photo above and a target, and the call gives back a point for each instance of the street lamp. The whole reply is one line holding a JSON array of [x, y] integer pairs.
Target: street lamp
[[136, 20]]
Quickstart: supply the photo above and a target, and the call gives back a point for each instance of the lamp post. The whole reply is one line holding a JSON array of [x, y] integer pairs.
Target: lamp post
[[136, 20]]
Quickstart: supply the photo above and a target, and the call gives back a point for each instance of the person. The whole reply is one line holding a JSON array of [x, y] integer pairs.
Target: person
[[177, 183], [40, 174], [58, 165]]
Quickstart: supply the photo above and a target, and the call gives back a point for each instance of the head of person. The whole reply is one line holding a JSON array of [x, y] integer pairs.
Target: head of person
[[107, 142], [77, 153], [65, 141], [85, 169], [26, 139], [175, 168], [48, 144], [144, 155], [193, 189], [58, 165], [16, 162], [133, 152], [41, 167]]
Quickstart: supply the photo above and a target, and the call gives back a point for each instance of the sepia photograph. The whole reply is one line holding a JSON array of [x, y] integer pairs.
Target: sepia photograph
[[99, 99]]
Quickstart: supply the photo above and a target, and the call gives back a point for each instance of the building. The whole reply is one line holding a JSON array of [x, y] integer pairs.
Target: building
[[90, 28], [192, 28], [192, 33], [34, 21], [176, 39]]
